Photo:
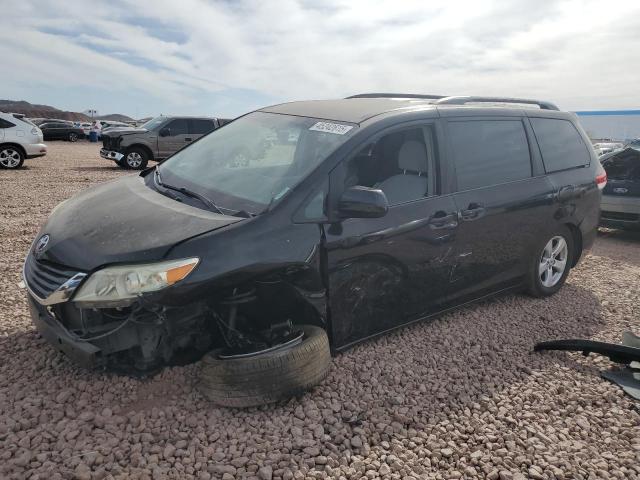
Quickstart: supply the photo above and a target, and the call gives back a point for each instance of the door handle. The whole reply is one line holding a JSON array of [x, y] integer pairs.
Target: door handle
[[442, 220], [472, 212], [187, 139]]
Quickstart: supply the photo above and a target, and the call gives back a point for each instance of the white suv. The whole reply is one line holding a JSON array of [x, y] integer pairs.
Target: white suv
[[19, 139]]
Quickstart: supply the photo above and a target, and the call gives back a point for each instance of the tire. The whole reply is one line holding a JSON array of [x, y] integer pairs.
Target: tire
[[11, 157], [73, 137], [543, 282], [135, 158], [268, 377]]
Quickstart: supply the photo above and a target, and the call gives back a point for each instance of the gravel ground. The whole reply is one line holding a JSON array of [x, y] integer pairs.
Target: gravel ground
[[458, 397]]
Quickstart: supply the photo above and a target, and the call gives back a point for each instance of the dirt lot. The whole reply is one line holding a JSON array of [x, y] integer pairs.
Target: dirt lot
[[459, 397]]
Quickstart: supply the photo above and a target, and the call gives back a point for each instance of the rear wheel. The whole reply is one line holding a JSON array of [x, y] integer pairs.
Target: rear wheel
[[73, 137], [11, 157], [551, 263], [135, 158], [267, 377]]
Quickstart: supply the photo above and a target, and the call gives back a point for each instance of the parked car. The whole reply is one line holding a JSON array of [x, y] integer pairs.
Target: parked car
[[157, 139], [634, 143], [61, 131], [19, 139], [107, 124], [607, 147], [621, 197], [356, 217], [40, 121]]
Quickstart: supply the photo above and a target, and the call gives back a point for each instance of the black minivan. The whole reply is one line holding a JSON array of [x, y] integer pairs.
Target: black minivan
[[347, 218]]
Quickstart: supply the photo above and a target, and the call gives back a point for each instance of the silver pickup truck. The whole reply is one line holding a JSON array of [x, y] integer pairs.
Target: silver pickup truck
[[155, 140]]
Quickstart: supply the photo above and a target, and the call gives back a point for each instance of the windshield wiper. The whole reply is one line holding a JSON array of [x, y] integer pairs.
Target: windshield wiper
[[188, 193]]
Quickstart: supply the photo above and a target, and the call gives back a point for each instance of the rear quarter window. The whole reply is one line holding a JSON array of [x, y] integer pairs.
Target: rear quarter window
[[5, 123], [560, 144], [489, 152]]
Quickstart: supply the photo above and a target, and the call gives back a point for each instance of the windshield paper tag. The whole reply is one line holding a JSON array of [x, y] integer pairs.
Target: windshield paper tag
[[329, 127]]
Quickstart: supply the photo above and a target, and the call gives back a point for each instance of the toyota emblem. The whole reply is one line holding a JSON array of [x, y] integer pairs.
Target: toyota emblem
[[41, 245]]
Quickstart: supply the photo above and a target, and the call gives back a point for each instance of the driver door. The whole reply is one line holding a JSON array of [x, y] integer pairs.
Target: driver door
[[177, 136], [385, 272]]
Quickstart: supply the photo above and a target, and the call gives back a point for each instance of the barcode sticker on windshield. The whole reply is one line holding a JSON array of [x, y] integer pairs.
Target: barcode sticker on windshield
[[329, 127]]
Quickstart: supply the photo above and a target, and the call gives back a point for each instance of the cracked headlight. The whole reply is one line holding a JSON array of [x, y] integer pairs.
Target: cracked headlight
[[119, 285]]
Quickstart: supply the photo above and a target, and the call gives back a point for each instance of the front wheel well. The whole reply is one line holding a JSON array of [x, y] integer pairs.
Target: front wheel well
[[142, 146]]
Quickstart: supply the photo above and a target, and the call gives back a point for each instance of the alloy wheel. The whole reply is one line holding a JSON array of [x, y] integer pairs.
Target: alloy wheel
[[134, 159], [553, 261], [9, 158]]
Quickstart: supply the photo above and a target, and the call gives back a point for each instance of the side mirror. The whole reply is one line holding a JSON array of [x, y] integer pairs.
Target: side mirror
[[363, 202], [165, 132]]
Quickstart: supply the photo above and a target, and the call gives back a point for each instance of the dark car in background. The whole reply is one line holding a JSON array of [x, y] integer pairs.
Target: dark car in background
[[61, 131], [621, 197], [347, 219], [159, 138]]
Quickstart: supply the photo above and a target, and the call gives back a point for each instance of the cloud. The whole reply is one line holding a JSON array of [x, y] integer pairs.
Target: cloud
[[235, 55]]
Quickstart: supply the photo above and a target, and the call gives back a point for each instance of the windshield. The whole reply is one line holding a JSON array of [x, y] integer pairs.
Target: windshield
[[255, 160], [153, 123]]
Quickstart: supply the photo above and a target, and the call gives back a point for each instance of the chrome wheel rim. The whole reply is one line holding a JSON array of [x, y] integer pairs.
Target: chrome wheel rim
[[73, 137], [134, 159], [9, 158], [553, 261]]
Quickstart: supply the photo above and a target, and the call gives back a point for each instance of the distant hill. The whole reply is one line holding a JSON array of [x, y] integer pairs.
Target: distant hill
[[45, 111]]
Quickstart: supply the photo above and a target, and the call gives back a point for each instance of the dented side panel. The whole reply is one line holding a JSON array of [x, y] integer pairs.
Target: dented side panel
[[388, 271]]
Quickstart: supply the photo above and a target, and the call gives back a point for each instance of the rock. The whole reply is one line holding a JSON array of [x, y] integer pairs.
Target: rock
[[168, 451], [82, 472], [265, 473]]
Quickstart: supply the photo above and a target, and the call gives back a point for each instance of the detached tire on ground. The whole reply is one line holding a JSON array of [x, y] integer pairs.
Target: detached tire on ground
[[269, 377]]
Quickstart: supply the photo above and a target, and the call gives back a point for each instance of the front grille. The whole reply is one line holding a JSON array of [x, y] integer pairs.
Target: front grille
[[629, 217], [44, 278], [106, 141]]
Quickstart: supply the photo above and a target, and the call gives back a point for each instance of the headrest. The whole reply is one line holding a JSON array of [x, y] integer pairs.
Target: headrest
[[413, 156]]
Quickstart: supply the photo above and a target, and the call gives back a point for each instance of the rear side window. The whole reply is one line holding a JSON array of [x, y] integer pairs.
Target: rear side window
[[560, 143], [5, 123], [201, 126], [489, 152]]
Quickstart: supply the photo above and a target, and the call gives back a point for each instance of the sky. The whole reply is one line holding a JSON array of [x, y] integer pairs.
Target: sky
[[225, 58]]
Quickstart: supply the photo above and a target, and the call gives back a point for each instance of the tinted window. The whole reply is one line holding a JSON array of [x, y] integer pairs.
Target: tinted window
[[178, 126], [560, 144], [201, 126], [5, 124], [489, 152]]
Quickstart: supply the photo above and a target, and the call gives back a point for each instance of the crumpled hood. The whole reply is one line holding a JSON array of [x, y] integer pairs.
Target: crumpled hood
[[122, 221]]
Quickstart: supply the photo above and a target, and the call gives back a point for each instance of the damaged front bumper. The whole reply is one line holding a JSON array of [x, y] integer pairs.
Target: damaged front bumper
[[111, 155], [53, 332], [135, 339]]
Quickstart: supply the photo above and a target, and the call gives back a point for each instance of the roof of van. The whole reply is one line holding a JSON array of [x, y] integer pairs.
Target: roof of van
[[360, 108], [352, 110]]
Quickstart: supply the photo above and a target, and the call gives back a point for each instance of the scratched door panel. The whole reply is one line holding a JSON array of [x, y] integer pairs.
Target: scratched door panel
[[384, 272], [495, 245]]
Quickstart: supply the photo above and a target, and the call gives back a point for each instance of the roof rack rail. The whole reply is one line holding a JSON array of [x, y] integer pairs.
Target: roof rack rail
[[465, 99], [397, 95]]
